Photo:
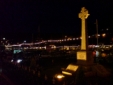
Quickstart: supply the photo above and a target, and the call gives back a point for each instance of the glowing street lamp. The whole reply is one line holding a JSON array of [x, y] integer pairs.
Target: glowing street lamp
[[103, 35], [77, 38], [107, 29], [68, 39], [59, 76], [73, 38], [98, 34], [3, 38], [24, 41]]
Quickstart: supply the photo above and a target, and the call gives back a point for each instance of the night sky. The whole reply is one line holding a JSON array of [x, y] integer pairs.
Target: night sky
[[19, 19]]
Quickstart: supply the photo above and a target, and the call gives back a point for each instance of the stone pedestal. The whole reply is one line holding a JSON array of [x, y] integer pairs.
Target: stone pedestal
[[85, 58]]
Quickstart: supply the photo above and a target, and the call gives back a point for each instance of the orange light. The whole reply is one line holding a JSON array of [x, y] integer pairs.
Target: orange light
[[103, 55], [103, 35], [59, 76]]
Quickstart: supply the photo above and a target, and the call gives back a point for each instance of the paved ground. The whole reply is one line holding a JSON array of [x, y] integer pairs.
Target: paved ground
[[4, 80], [24, 77], [20, 76]]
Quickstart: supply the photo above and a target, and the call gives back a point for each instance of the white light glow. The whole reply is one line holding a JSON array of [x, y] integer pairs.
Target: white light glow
[[3, 38], [60, 76], [96, 45], [19, 60], [11, 60], [98, 34], [77, 38], [73, 38]]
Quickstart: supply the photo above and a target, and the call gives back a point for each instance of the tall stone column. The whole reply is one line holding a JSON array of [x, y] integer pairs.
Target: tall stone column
[[83, 15], [84, 55]]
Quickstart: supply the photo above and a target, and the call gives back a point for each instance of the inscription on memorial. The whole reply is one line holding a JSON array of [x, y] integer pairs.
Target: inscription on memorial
[[81, 56], [72, 67]]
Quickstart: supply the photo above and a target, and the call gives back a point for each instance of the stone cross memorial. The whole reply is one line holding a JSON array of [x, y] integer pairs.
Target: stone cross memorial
[[84, 55], [85, 61]]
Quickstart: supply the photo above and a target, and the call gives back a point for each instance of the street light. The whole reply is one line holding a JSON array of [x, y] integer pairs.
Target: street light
[[73, 38], [89, 36], [98, 34], [107, 29], [24, 41], [103, 35], [3, 38], [59, 76], [77, 38]]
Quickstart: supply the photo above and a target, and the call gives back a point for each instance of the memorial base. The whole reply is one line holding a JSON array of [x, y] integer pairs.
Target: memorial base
[[85, 58], [83, 73]]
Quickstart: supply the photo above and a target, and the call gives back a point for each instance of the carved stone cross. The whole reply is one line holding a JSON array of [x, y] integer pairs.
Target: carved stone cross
[[84, 56], [83, 15]]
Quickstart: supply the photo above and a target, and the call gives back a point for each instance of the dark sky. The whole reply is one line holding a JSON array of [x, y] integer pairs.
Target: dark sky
[[19, 19]]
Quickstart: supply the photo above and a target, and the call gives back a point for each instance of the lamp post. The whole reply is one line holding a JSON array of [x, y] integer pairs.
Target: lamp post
[[97, 30]]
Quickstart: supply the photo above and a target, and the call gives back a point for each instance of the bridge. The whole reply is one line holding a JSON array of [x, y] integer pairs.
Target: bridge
[[66, 47]]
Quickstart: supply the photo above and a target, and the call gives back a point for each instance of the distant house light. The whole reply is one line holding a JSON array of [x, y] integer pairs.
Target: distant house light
[[24, 41], [89, 36], [3, 38], [107, 29]]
